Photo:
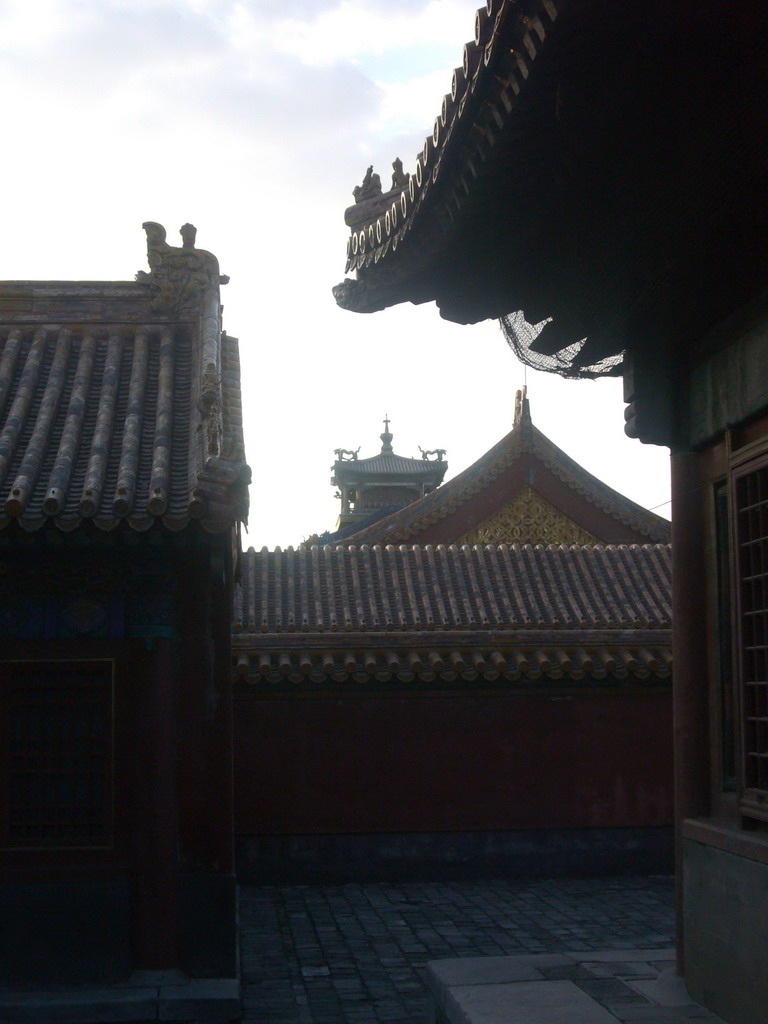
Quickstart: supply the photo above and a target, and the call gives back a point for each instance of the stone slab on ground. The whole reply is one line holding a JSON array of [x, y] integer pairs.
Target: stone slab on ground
[[200, 1000], [625, 956], [357, 953], [640, 988], [495, 969], [667, 988], [193, 1000], [90, 1006], [524, 1002]]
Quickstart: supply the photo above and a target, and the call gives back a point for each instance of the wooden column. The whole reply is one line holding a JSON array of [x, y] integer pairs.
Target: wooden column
[[690, 563], [154, 839], [205, 790]]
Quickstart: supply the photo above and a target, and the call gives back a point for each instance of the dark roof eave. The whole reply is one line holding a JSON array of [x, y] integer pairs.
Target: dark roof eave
[[213, 519], [362, 296], [400, 261], [364, 639], [538, 664]]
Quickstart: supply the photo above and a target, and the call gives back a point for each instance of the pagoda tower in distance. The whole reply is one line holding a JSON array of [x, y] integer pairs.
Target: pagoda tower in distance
[[385, 483]]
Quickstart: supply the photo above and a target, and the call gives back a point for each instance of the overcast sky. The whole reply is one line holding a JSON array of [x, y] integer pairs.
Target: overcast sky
[[254, 120]]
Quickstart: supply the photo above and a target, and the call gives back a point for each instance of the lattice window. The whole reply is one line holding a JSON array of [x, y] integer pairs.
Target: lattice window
[[751, 521], [56, 754]]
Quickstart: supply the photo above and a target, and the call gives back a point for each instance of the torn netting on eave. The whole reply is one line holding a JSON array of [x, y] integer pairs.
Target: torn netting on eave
[[520, 336]]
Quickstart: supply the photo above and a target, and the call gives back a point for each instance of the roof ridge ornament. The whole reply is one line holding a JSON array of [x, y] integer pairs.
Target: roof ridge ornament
[[522, 408], [370, 188], [386, 438], [439, 452], [400, 178], [178, 275], [346, 454]]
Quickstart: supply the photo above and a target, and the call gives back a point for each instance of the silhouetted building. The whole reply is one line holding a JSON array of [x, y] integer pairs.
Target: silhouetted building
[[598, 183], [382, 483], [123, 486]]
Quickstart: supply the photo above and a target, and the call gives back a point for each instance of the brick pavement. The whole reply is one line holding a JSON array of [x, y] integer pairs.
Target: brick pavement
[[356, 954]]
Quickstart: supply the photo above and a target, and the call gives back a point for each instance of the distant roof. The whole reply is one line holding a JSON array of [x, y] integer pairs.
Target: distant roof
[[120, 401], [388, 464], [449, 502], [492, 612]]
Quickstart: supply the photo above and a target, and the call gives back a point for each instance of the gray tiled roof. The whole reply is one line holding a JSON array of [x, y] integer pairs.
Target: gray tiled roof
[[409, 587], [386, 463], [401, 614], [112, 410]]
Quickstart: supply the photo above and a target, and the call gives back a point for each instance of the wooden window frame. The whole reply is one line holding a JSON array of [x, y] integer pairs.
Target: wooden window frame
[[722, 623], [85, 823], [748, 462]]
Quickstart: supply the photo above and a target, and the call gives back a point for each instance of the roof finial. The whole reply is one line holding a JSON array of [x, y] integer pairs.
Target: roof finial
[[386, 437], [522, 412]]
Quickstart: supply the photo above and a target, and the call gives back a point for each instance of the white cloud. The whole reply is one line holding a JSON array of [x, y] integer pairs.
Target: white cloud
[[30, 25], [353, 29], [411, 106]]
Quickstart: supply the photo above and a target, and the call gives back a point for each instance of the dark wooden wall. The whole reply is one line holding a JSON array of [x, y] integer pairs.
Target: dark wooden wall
[[450, 762], [157, 890]]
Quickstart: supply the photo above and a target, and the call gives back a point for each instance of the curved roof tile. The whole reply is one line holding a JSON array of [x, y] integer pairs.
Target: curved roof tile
[[551, 663], [120, 401], [451, 589], [504, 616], [389, 463]]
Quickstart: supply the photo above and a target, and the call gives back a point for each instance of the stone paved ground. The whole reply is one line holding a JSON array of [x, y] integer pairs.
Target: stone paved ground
[[355, 954]]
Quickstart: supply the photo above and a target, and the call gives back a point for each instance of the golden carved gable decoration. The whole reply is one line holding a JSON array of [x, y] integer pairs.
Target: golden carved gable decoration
[[528, 519]]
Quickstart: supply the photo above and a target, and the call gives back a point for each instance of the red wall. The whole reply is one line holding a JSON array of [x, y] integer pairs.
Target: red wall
[[381, 763]]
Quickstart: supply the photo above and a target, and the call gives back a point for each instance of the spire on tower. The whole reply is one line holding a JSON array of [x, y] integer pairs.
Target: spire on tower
[[386, 437]]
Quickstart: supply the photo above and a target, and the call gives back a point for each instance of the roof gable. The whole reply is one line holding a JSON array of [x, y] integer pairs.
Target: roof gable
[[528, 474], [528, 519]]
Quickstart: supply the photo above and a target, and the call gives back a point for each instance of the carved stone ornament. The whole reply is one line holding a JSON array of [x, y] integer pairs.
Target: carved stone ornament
[[528, 519], [345, 454], [370, 188], [400, 178], [179, 275], [437, 452], [232, 450], [209, 405]]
